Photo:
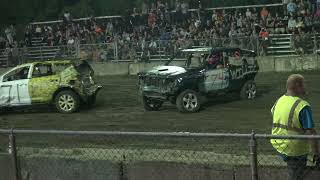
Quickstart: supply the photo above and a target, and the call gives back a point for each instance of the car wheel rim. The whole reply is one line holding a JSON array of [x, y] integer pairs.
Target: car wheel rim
[[190, 101], [251, 91], [66, 103]]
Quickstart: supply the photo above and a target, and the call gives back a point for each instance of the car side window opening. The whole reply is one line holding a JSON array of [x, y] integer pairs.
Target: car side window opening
[[60, 67], [17, 74], [41, 70], [215, 61]]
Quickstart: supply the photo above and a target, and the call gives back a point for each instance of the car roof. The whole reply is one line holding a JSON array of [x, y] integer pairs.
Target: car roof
[[209, 50], [202, 49], [46, 62]]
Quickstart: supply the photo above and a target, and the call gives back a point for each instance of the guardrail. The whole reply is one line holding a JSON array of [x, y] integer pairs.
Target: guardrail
[[51, 154]]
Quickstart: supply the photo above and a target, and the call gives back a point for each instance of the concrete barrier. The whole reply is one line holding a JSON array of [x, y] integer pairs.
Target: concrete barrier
[[68, 169], [6, 169], [174, 171], [39, 168], [309, 62], [104, 69], [267, 64]]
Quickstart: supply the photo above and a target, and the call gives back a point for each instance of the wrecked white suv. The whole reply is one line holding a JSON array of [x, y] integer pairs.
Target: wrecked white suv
[[50, 82]]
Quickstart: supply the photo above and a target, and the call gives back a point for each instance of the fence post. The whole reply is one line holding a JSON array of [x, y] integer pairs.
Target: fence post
[[257, 45], [115, 52], [159, 52], [13, 153], [77, 48], [41, 53], [315, 42], [253, 157]]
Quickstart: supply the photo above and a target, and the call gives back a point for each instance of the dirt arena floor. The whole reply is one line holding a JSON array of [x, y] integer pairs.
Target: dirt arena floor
[[119, 108]]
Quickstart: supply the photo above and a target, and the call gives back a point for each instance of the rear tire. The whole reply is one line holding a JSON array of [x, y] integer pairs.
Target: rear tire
[[150, 104], [188, 101], [67, 102], [248, 91]]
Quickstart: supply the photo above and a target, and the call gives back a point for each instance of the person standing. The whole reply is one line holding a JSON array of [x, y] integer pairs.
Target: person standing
[[9, 34], [293, 116]]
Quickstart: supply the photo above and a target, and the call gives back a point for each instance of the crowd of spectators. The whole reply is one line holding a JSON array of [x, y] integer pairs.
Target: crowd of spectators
[[179, 26], [9, 45]]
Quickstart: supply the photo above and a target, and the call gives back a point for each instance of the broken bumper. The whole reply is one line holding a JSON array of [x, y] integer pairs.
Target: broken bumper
[[93, 90]]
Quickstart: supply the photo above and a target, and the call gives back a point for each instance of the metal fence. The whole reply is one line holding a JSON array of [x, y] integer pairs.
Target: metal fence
[[68, 155], [284, 45]]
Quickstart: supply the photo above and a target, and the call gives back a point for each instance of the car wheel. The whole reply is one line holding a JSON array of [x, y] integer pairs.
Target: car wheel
[[67, 101], [150, 104], [249, 90], [188, 101]]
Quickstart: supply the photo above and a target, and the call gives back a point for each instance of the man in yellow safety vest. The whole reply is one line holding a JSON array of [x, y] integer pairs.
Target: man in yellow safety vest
[[293, 116]]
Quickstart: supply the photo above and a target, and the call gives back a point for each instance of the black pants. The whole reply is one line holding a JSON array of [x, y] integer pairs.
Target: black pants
[[296, 169]]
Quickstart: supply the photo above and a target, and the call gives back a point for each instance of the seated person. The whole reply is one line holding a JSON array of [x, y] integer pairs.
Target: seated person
[[215, 61]]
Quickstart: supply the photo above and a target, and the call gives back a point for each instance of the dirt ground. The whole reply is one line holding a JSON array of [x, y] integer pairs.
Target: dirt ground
[[119, 108]]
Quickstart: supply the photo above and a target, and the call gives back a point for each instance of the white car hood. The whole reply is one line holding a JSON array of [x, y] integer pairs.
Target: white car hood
[[167, 70]]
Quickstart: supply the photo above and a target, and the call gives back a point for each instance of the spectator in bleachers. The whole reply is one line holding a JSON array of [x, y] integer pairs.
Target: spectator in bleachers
[[184, 10], [285, 6], [28, 36], [308, 23], [38, 31], [292, 8], [150, 24], [264, 39], [317, 13], [279, 26], [302, 8], [292, 23], [2, 42], [10, 32], [248, 13], [152, 18], [264, 14], [67, 17]]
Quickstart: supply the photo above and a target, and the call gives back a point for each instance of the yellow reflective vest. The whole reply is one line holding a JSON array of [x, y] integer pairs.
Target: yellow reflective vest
[[286, 122]]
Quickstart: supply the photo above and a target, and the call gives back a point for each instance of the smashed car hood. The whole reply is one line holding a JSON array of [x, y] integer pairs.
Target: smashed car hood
[[167, 70]]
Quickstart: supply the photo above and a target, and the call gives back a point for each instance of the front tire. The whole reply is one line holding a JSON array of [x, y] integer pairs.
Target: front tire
[[150, 104], [188, 101], [67, 102], [249, 90]]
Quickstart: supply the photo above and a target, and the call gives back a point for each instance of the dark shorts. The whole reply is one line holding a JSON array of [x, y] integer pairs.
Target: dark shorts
[[296, 168]]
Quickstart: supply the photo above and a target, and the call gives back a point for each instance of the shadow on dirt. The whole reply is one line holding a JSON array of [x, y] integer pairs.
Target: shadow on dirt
[[233, 97], [27, 109], [37, 109], [221, 99]]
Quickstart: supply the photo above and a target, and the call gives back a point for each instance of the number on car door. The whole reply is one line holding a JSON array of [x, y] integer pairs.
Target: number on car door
[[216, 79]]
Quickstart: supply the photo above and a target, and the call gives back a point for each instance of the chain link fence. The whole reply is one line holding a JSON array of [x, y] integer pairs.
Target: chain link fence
[[67, 155]]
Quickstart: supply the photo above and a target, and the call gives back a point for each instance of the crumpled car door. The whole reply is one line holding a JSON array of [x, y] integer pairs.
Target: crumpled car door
[[5, 94]]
